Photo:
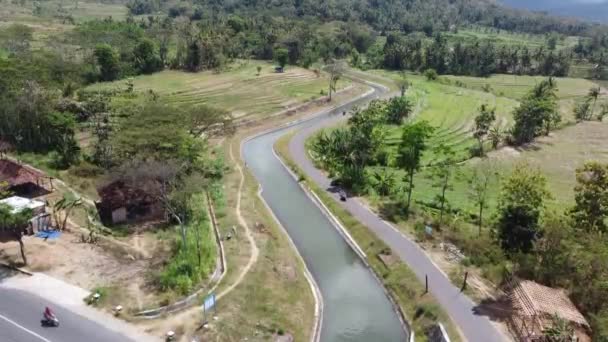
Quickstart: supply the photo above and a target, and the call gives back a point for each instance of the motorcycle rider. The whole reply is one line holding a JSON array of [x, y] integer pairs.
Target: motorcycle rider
[[48, 314]]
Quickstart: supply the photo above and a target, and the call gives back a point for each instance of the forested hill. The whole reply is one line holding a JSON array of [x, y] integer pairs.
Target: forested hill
[[387, 15]]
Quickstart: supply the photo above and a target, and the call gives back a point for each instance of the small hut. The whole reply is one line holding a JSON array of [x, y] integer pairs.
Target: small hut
[[24, 180], [534, 308], [122, 202]]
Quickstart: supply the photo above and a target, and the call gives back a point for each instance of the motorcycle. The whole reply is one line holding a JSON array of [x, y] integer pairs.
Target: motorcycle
[[49, 321]]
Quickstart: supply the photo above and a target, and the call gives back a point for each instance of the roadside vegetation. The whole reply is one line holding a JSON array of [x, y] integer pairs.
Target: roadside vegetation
[[445, 163], [420, 308]]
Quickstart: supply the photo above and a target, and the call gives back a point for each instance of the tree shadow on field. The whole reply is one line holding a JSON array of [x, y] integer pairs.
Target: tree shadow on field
[[499, 309], [6, 269], [535, 146]]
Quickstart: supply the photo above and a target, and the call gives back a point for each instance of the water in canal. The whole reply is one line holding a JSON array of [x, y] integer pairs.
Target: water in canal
[[355, 305]]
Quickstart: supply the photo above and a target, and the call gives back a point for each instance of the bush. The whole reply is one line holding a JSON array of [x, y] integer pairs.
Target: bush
[[475, 151], [384, 158], [183, 271], [427, 311], [61, 160], [481, 250], [104, 294], [495, 273], [431, 74], [86, 170], [599, 323]]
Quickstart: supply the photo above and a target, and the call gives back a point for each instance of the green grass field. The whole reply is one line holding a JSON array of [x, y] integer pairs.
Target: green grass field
[[47, 23], [239, 90]]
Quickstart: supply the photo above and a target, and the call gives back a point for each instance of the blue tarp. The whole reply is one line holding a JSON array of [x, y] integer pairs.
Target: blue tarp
[[48, 234]]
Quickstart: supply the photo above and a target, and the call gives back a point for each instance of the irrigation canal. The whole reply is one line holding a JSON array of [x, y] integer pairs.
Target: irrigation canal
[[355, 307]]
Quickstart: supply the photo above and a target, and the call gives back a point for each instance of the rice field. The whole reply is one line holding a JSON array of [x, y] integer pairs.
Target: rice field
[[503, 37], [47, 24], [515, 87], [50, 11], [239, 90], [451, 109]]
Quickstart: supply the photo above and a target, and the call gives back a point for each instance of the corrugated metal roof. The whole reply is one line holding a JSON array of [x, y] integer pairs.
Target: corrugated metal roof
[[19, 203]]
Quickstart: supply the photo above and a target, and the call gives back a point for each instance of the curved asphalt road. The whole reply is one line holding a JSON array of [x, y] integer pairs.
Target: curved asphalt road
[[20, 314], [462, 310]]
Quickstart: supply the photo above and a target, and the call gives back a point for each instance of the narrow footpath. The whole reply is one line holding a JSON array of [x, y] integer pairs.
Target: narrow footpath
[[474, 328]]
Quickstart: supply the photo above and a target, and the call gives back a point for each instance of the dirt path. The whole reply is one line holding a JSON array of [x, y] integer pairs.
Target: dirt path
[[254, 248], [137, 245]]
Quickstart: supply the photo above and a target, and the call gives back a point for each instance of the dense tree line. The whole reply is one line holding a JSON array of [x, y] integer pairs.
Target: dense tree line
[[414, 52], [400, 15]]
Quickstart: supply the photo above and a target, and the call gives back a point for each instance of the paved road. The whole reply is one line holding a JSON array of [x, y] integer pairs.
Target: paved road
[[23, 298], [20, 314], [459, 307]]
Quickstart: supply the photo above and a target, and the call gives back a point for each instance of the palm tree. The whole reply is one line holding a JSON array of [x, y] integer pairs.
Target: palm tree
[[594, 93], [384, 182], [495, 135], [403, 84], [335, 70]]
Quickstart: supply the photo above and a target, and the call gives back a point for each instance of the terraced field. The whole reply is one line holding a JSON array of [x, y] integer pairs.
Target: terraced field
[[515, 87], [570, 90], [239, 90], [451, 110], [503, 37]]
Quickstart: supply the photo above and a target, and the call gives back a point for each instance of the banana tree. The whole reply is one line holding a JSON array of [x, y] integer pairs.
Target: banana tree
[[66, 204]]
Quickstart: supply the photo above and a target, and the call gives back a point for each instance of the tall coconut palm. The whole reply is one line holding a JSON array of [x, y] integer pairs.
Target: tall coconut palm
[[594, 93]]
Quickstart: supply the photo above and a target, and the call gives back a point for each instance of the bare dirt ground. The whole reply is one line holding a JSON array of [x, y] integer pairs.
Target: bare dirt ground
[[88, 266]]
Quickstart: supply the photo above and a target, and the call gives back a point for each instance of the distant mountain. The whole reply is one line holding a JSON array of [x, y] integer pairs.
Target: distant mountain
[[596, 10]]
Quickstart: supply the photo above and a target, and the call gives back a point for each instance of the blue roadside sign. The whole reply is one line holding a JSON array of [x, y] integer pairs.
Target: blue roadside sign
[[209, 302]]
